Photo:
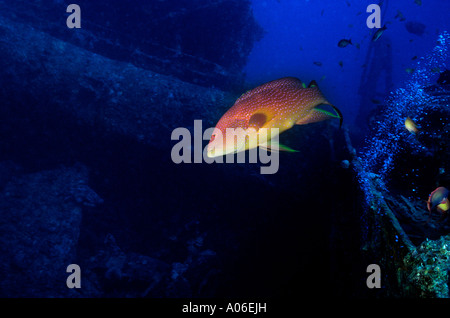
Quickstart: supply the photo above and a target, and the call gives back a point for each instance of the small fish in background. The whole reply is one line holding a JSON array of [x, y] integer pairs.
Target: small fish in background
[[378, 33], [411, 126], [357, 46], [341, 64], [317, 63], [439, 199], [400, 16], [418, 2], [375, 101], [321, 13], [409, 70], [348, 3], [416, 28], [344, 43], [414, 58], [323, 78]]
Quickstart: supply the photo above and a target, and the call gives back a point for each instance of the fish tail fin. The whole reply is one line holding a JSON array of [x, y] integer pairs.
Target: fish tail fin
[[336, 110]]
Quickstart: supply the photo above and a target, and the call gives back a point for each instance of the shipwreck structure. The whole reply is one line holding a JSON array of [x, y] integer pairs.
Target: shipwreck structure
[[86, 175]]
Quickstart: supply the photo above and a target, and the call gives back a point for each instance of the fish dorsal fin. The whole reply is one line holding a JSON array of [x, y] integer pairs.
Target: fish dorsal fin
[[257, 120], [313, 84]]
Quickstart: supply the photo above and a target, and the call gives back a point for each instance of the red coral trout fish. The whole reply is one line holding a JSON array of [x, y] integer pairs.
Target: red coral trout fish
[[279, 104]]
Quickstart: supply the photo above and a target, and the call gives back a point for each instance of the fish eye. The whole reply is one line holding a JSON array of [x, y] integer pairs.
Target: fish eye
[[213, 137]]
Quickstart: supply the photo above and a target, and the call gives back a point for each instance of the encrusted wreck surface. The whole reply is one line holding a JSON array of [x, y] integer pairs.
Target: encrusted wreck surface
[[40, 227], [137, 229], [125, 99], [152, 233], [171, 46], [409, 243]]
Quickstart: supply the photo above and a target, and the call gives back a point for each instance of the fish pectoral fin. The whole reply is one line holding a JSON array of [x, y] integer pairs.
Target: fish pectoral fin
[[336, 110], [318, 114], [286, 148], [314, 116], [276, 147], [257, 120]]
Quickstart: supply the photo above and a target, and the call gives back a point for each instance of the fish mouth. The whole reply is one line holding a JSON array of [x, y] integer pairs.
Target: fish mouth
[[217, 152], [213, 151], [211, 154]]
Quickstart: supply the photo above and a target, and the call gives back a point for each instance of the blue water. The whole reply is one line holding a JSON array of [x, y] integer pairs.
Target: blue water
[[301, 32], [88, 177]]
